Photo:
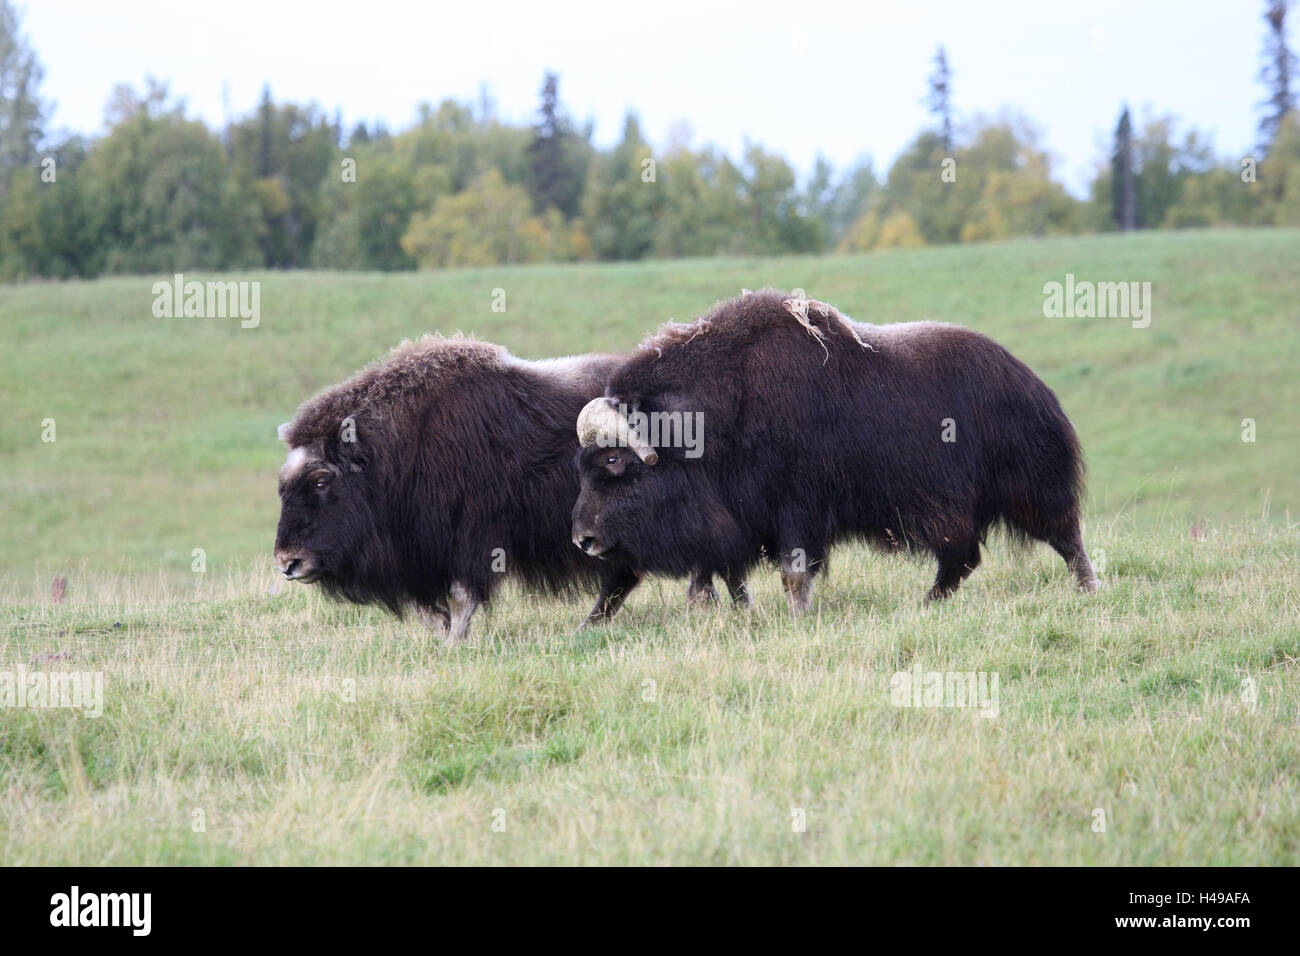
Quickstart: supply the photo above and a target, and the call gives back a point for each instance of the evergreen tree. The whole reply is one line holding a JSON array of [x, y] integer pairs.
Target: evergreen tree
[[556, 161], [1279, 67], [266, 134], [940, 98], [1123, 177]]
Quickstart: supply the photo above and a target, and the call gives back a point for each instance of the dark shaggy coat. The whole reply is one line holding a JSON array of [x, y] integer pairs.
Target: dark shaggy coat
[[459, 475], [819, 429]]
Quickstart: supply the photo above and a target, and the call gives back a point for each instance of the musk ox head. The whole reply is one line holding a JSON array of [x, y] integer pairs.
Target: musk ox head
[[330, 529], [653, 508]]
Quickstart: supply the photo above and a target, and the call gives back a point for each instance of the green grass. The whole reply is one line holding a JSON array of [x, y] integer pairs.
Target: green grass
[[308, 732]]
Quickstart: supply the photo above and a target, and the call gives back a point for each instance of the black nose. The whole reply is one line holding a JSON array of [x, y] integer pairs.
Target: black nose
[[291, 567], [585, 543]]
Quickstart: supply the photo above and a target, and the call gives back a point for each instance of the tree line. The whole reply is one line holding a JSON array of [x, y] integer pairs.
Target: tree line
[[287, 187]]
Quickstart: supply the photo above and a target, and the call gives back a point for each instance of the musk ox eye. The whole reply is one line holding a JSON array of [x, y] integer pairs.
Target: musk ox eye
[[612, 460], [322, 483]]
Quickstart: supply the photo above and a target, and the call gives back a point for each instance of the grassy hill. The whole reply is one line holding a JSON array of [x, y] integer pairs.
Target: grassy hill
[[166, 426], [302, 731]]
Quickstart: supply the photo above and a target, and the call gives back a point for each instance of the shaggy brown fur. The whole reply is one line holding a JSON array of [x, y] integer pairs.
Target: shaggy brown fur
[[820, 429]]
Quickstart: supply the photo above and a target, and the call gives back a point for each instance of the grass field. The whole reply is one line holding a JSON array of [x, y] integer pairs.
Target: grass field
[[246, 721]]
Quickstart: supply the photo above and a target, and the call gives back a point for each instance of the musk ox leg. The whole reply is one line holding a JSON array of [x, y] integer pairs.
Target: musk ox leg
[[463, 603], [615, 586], [701, 590], [798, 590], [956, 562], [437, 618], [1076, 559], [739, 591], [797, 571]]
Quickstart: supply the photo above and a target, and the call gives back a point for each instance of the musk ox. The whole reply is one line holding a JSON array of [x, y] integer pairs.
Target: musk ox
[[913, 437], [430, 476]]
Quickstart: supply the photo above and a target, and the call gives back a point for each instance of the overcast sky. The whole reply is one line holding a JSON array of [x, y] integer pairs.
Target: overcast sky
[[844, 79]]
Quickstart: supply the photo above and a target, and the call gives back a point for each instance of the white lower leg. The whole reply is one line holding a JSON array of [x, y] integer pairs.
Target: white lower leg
[[463, 605]]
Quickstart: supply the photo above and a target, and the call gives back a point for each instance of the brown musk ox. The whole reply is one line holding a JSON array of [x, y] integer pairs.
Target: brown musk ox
[[816, 429]]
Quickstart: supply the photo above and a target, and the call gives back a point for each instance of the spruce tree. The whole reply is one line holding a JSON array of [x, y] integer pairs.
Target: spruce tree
[[1276, 73], [1123, 180]]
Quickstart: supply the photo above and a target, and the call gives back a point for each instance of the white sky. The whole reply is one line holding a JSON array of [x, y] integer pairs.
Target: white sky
[[846, 79]]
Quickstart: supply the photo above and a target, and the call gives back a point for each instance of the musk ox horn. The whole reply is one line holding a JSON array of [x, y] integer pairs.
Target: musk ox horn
[[599, 422]]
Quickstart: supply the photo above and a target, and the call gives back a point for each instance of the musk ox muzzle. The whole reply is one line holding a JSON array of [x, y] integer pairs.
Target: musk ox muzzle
[[297, 565]]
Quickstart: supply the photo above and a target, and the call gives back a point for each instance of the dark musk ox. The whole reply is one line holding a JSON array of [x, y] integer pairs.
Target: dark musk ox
[[432, 475], [817, 429]]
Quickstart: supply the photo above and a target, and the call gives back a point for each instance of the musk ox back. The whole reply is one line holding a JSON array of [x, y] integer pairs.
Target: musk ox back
[[917, 436], [430, 476]]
